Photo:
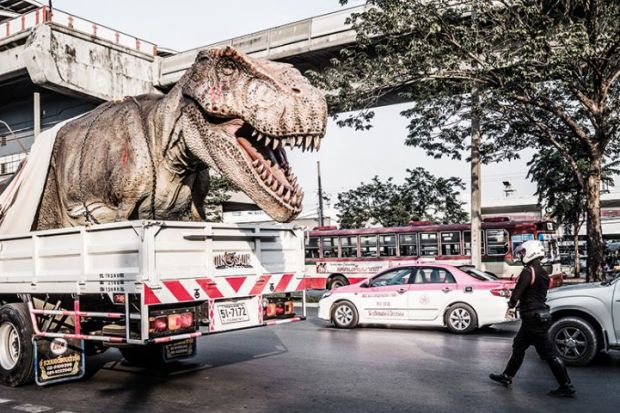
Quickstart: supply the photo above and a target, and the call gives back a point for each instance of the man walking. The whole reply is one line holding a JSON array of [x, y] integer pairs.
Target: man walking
[[530, 294]]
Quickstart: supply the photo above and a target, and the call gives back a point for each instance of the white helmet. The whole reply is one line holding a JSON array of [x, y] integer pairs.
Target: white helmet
[[530, 250]]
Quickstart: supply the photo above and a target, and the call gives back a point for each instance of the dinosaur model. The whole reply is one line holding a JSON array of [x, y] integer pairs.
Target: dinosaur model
[[150, 156]]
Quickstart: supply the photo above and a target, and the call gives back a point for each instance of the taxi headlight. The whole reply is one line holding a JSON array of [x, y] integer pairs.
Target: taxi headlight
[[326, 294]]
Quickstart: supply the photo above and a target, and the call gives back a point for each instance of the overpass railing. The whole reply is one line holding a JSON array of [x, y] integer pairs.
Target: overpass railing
[[27, 21]]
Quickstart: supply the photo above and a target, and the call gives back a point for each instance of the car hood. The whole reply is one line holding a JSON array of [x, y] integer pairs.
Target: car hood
[[575, 289]]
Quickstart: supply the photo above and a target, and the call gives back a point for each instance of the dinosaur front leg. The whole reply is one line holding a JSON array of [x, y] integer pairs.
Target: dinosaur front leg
[[97, 211]]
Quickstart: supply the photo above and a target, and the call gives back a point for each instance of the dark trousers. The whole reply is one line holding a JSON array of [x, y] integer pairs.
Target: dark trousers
[[532, 332]]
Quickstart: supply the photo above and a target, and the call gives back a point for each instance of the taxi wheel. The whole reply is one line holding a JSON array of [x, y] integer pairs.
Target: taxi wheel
[[344, 315], [461, 319]]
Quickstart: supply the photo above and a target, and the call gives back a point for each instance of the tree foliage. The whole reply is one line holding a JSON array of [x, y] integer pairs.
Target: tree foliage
[[220, 191], [547, 73], [422, 196]]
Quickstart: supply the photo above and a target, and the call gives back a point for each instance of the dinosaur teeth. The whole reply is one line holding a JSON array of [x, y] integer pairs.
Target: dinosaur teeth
[[260, 168], [317, 142], [254, 132], [287, 196], [267, 140], [259, 136], [308, 142], [280, 191], [264, 175], [275, 185], [269, 179], [276, 143], [299, 141], [255, 163]]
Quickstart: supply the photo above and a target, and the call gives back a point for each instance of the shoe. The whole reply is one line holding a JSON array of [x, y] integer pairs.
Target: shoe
[[566, 390], [501, 379]]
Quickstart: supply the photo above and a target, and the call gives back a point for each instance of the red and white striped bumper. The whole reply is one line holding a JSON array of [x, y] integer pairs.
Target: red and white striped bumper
[[201, 289]]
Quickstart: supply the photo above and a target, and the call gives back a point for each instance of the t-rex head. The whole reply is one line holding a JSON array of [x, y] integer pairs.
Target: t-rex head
[[255, 108]]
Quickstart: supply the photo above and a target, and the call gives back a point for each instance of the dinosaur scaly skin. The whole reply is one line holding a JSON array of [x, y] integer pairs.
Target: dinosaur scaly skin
[[149, 156]]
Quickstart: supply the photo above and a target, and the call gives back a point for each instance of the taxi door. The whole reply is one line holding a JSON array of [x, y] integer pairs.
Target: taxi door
[[432, 290], [386, 300]]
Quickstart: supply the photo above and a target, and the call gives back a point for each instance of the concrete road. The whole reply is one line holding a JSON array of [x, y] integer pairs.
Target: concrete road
[[311, 367]]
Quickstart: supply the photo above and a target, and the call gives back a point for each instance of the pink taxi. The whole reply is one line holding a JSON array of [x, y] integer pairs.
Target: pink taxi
[[419, 295]]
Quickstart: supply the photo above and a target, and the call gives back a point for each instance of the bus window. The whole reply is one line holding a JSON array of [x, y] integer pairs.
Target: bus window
[[348, 246], [467, 242], [408, 245], [518, 239], [330, 247], [497, 242], [368, 246], [312, 247], [387, 245], [428, 243], [451, 243]]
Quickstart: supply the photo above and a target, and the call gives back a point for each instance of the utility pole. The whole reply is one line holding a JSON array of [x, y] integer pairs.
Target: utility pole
[[476, 256], [318, 174], [476, 182]]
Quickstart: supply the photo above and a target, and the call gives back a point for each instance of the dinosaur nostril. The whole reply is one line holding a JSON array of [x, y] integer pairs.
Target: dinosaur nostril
[[295, 90]]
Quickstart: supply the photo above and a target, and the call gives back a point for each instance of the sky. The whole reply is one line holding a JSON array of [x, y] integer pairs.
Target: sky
[[347, 157]]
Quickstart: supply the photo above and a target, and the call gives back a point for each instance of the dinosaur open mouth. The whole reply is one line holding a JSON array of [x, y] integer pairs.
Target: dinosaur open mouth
[[267, 156]]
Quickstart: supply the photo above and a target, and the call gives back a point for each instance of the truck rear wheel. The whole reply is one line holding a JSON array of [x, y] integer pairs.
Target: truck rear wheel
[[16, 350]]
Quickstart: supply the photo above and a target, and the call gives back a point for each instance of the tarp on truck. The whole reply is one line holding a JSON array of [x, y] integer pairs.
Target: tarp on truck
[[20, 200]]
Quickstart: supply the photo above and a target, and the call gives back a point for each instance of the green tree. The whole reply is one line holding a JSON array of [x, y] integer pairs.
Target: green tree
[[560, 194], [220, 191], [422, 196], [547, 73]]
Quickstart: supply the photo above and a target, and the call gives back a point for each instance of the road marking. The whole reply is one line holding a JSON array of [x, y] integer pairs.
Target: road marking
[[32, 408]]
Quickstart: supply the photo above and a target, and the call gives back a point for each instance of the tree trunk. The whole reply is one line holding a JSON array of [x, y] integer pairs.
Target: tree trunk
[[576, 252], [596, 246]]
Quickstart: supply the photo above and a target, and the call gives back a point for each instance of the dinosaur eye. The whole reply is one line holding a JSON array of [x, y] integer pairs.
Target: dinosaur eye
[[228, 67]]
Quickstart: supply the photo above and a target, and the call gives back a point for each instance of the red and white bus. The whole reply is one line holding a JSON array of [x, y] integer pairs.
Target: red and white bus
[[340, 257]]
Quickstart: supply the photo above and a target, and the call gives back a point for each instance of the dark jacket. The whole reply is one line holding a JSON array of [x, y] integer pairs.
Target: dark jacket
[[530, 297]]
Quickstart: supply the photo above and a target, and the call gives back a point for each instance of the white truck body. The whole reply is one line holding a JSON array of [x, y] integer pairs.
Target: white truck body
[[140, 270]]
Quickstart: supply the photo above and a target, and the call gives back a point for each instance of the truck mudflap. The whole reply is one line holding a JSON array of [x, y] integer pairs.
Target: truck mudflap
[[58, 360]]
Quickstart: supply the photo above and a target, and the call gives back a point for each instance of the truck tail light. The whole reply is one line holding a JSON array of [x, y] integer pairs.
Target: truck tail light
[[187, 320], [174, 322], [288, 307], [500, 292], [158, 324]]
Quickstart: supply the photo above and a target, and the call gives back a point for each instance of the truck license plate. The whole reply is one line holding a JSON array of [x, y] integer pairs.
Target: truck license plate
[[233, 313]]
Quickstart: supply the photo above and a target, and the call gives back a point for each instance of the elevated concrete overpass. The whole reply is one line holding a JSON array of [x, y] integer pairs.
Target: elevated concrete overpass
[[307, 44]]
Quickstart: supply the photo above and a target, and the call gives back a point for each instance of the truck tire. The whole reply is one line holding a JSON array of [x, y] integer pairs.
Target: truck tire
[[337, 281], [574, 340], [16, 349], [344, 315], [461, 319]]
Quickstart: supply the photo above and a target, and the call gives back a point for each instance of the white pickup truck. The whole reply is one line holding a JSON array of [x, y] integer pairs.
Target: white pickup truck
[[586, 320], [149, 288]]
